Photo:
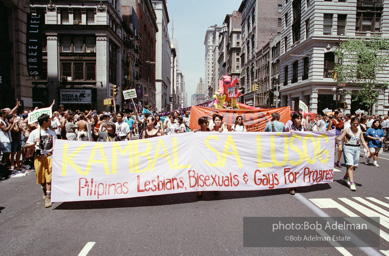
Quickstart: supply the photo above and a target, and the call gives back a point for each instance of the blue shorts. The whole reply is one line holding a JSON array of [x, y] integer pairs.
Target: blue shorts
[[351, 155], [5, 147], [16, 146]]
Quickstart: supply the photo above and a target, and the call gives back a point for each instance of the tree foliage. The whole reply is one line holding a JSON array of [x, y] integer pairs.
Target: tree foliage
[[359, 60]]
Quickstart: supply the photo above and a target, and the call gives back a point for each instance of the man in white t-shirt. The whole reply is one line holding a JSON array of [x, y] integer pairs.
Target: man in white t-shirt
[[43, 139], [123, 131]]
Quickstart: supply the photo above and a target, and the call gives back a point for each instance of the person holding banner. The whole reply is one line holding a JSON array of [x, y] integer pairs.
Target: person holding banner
[[43, 140], [239, 125], [203, 123], [353, 138], [295, 126], [151, 131], [218, 124]]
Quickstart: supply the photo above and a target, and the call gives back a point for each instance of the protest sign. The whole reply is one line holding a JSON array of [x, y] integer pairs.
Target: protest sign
[[129, 94], [33, 116], [303, 106], [254, 120], [189, 162]]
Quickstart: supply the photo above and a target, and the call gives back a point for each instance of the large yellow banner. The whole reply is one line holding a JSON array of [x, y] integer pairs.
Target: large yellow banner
[[201, 161]]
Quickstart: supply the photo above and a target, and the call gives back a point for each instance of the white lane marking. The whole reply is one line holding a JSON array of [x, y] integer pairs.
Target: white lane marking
[[373, 206], [387, 198], [383, 158], [370, 213], [321, 213], [86, 248], [378, 201], [385, 252]]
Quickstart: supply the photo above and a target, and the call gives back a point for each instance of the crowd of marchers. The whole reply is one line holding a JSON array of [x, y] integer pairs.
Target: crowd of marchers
[[28, 146]]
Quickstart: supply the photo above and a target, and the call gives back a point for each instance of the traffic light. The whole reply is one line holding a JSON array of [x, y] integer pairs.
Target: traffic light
[[115, 90], [255, 87]]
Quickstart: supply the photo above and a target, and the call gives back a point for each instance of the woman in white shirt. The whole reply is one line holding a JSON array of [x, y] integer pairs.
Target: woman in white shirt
[[239, 125]]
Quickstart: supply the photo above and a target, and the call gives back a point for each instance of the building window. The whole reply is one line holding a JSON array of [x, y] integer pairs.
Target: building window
[[296, 26], [306, 68], [90, 71], [64, 16], [307, 28], [329, 64], [327, 27], [77, 17], [78, 71], [342, 18], [295, 71], [286, 19], [279, 8], [90, 44], [279, 22], [286, 75], [66, 44], [67, 69], [78, 44], [90, 16], [368, 21], [286, 43], [308, 3]]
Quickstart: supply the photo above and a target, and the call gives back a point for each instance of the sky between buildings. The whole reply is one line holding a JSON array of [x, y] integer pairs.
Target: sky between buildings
[[190, 20]]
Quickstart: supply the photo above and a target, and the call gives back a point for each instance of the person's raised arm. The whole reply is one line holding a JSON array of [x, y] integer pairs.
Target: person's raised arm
[[15, 108]]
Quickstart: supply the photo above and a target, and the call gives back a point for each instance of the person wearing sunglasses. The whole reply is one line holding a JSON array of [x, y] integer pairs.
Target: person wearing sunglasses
[[353, 138]]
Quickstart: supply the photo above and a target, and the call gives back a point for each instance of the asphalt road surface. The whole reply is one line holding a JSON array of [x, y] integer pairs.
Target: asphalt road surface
[[181, 224]]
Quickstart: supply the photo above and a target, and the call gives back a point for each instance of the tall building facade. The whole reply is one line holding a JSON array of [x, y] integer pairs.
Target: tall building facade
[[200, 95], [82, 51], [163, 57], [211, 55], [14, 79], [260, 23], [233, 22], [311, 32], [147, 42]]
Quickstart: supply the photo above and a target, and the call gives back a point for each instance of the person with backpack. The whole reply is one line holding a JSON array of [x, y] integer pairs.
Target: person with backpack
[[275, 125]]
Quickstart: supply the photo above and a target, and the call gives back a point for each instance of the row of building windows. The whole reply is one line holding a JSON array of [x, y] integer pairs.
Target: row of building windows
[[78, 44], [74, 16], [78, 71]]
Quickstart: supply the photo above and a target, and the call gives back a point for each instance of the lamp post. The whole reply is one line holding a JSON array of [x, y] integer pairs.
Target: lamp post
[[338, 90]]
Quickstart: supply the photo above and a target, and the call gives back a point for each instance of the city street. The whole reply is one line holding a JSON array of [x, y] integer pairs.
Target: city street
[[181, 224]]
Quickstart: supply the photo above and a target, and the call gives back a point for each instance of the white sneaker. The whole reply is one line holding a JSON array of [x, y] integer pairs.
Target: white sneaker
[[376, 164], [353, 187]]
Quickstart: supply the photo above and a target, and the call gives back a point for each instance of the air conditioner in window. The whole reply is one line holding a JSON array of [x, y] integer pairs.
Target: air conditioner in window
[[69, 78], [77, 22]]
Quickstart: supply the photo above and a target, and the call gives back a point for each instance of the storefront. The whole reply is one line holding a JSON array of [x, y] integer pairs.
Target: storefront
[[77, 99]]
